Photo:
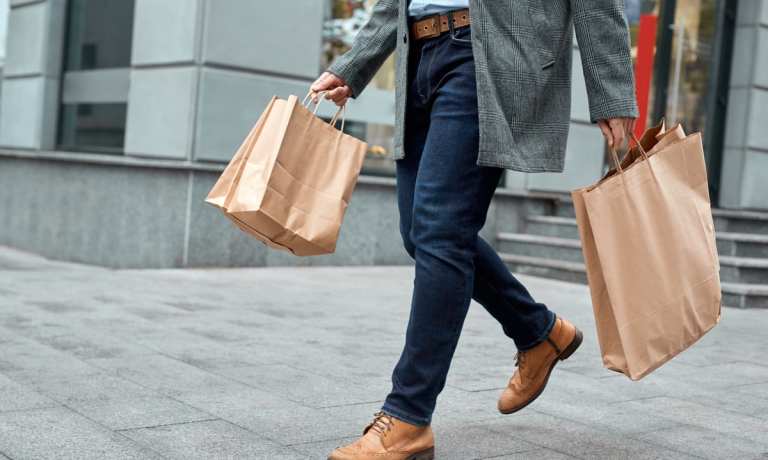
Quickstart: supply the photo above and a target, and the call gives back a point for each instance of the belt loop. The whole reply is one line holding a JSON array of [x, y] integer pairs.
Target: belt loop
[[450, 24]]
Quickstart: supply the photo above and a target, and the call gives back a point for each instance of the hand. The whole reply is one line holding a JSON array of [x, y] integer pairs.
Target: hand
[[615, 130], [337, 89]]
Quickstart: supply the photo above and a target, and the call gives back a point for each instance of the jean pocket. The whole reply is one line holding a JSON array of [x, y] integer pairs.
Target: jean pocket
[[462, 36]]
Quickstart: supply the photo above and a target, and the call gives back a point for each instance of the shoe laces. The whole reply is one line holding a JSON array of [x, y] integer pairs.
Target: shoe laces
[[520, 359], [381, 423]]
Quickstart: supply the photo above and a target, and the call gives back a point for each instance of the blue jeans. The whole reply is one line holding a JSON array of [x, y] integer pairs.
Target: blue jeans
[[443, 198]]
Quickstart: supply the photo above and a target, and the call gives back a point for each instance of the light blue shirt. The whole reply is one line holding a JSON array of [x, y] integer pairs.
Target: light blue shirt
[[419, 8]]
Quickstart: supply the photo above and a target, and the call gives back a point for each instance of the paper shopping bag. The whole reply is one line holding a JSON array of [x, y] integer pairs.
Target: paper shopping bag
[[291, 180], [649, 249]]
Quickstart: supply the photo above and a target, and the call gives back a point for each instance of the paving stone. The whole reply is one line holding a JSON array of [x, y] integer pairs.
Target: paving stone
[[293, 423], [209, 439], [319, 450], [14, 396], [59, 433], [646, 452], [85, 345], [28, 361], [562, 435], [162, 374], [538, 454], [95, 387], [308, 388], [137, 412], [705, 443], [458, 441], [200, 363]]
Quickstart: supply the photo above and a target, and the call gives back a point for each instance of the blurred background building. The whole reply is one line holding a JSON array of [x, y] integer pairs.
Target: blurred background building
[[116, 117]]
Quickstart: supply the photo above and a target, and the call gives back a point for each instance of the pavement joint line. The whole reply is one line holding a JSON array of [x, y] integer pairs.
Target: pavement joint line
[[681, 425], [699, 403], [643, 398], [505, 454], [316, 441], [361, 403], [607, 428], [148, 427], [30, 409], [567, 454]]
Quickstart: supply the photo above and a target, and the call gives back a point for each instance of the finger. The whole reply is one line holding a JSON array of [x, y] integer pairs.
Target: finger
[[617, 129], [629, 126], [606, 132], [321, 82], [337, 94]]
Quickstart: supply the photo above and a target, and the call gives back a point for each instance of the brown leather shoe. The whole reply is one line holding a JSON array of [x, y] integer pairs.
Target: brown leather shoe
[[388, 438], [535, 365]]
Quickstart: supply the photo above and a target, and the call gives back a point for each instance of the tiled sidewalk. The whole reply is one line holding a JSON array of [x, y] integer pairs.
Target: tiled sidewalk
[[287, 363]]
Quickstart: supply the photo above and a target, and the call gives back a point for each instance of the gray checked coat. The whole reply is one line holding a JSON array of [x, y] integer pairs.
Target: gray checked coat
[[522, 51]]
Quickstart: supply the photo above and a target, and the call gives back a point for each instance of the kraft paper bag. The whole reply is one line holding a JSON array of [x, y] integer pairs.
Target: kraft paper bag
[[291, 180], [649, 249]]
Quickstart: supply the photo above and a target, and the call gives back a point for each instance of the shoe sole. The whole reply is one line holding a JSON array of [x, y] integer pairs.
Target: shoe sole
[[428, 454], [565, 354]]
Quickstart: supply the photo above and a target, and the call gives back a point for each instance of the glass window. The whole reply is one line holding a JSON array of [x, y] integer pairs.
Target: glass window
[[96, 65], [99, 34], [346, 19], [93, 127], [686, 70]]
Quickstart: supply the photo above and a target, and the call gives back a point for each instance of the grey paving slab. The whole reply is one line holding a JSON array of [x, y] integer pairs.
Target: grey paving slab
[[59, 433], [209, 439], [457, 441], [705, 443], [310, 389], [539, 454], [95, 387], [721, 421], [138, 412], [291, 362], [562, 435], [318, 450], [14, 396]]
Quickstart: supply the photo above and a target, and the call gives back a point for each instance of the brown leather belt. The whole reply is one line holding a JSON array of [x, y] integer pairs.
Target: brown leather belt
[[435, 25]]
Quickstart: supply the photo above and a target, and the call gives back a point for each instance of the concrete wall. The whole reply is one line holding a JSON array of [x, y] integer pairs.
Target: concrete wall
[[121, 213], [745, 157], [126, 213]]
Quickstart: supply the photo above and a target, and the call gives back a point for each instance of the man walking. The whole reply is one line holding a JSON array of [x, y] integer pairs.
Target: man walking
[[481, 86]]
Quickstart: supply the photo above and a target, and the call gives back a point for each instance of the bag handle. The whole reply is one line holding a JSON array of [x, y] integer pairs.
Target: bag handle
[[335, 118], [617, 163]]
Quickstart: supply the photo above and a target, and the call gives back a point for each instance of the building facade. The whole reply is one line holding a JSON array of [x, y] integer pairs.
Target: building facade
[[116, 116]]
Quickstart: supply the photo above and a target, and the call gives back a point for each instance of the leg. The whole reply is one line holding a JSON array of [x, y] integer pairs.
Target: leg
[[450, 201], [524, 320]]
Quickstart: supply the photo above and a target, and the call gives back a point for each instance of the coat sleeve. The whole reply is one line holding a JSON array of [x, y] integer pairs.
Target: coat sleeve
[[603, 36], [371, 47]]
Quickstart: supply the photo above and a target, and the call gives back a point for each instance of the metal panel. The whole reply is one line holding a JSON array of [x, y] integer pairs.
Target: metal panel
[[161, 112], [164, 31], [281, 37], [25, 53], [20, 112]]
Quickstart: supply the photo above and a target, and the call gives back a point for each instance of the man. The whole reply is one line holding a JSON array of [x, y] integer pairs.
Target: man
[[482, 86]]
